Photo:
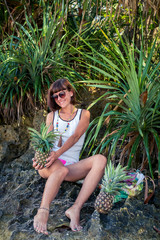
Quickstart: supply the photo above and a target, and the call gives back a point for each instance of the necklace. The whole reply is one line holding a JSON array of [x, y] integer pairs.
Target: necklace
[[67, 126]]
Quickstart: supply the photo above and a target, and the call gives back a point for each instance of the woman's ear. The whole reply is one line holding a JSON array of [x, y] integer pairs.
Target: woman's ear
[[71, 93]]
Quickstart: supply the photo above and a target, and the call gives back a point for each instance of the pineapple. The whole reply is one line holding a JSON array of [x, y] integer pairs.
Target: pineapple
[[112, 184], [42, 142]]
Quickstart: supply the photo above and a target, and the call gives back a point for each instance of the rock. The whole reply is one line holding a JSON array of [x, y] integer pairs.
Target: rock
[[8, 134], [3, 150], [21, 192], [157, 197], [40, 116], [95, 229], [14, 142]]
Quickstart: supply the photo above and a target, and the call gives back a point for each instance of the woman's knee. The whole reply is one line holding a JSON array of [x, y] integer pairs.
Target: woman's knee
[[62, 171], [65, 171], [100, 161]]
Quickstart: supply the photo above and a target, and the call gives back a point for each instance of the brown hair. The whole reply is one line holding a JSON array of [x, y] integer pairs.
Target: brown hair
[[59, 85]]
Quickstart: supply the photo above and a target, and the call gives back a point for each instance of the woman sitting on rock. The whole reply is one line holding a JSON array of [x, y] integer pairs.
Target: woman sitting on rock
[[63, 163]]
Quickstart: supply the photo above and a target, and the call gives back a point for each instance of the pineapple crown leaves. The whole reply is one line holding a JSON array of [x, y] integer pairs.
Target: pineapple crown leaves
[[42, 141], [114, 179]]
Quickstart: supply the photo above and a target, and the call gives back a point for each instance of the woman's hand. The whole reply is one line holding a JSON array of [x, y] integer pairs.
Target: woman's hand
[[36, 164], [50, 160]]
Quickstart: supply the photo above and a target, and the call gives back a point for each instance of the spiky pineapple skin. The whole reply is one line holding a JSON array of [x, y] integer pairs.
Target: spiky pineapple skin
[[41, 158], [112, 183], [42, 142], [104, 202]]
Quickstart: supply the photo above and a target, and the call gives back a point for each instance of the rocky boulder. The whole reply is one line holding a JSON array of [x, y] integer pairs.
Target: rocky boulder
[[14, 141], [20, 195], [21, 192]]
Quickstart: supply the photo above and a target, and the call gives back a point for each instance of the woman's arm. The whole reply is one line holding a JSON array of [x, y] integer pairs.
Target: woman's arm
[[80, 130], [49, 121]]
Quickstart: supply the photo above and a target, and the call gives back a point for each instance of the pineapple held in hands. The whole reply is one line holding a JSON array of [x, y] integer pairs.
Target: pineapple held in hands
[[42, 142], [112, 184]]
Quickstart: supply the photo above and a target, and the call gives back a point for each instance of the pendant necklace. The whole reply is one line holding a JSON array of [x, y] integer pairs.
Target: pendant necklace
[[67, 126]]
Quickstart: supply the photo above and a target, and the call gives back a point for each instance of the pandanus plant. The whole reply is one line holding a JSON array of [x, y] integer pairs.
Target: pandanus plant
[[26, 70], [131, 88]]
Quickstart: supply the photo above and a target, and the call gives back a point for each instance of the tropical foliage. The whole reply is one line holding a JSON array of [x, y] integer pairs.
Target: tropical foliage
[[77, 12], [131, 80], [26, 69]]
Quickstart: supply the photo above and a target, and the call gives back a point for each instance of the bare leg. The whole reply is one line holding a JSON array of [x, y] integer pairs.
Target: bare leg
[[93, 169], [55, 174]]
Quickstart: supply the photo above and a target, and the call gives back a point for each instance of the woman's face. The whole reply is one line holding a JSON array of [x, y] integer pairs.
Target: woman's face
[[63, 97]]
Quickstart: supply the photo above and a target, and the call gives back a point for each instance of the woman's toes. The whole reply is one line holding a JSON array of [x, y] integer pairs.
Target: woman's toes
[[44, 232], [77, 228], [37, 230]]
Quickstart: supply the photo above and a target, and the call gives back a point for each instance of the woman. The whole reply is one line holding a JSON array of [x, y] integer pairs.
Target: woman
[[63, 163]]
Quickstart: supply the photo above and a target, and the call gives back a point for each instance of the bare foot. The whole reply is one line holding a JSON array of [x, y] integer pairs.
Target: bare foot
[[40, 221], [73, 214]]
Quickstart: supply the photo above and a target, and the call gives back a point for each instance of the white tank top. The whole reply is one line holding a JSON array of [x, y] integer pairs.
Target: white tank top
[[72, 154]]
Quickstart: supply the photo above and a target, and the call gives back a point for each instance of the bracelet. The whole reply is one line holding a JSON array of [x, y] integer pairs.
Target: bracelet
[[44, 208]]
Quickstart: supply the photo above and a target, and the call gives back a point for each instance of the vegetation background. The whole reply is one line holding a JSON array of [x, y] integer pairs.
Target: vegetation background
[[107, 47]]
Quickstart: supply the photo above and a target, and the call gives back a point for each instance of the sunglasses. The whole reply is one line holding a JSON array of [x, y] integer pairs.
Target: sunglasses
[[61, 95]]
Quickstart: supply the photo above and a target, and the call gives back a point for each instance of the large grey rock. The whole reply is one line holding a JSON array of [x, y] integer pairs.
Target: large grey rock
[[20, 196], [14, 139], [14, 142], [21, 191]]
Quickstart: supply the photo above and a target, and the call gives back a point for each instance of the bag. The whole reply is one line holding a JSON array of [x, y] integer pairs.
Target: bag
[[135, 186]]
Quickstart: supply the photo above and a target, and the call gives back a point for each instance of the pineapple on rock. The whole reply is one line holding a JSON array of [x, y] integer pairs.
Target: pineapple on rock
[[42, 142], [112, 184]]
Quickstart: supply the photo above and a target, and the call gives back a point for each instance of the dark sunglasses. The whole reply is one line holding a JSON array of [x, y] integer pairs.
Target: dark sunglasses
[[61, 95]]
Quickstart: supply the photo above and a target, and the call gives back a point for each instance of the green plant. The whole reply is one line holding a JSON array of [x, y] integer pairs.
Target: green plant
[[12, 87], [29, 64], [36, 51], [131, 81]]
